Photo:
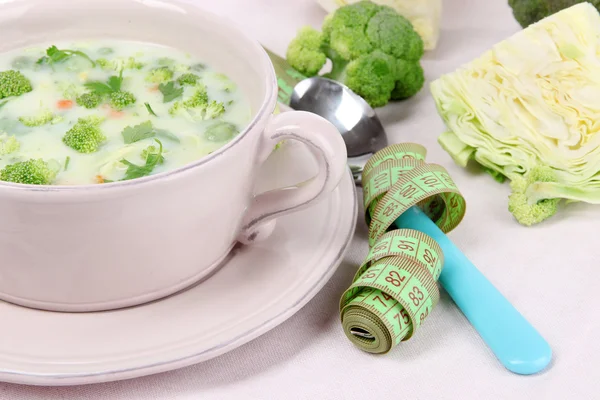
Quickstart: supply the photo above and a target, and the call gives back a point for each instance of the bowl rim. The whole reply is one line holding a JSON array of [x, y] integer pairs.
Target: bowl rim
[[266, 108]]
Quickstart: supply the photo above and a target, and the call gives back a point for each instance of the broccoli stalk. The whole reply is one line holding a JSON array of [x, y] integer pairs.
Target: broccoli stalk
[[30, 172], [527, 202], [373, 50], [43, 117]]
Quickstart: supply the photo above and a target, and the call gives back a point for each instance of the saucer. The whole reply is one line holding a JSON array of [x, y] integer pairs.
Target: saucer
[[256, 289]]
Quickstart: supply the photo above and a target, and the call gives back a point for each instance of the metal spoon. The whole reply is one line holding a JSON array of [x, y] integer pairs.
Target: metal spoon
[[514, 341], [360, 127]]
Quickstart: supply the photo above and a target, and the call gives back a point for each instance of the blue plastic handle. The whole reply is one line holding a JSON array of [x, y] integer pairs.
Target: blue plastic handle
[[516, 343]]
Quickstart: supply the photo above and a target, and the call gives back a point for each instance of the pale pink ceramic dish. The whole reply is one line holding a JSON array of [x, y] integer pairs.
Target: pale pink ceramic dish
[[87, 248], [258, 288]]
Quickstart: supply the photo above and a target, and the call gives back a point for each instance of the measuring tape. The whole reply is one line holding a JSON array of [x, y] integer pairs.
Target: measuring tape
[[395, 288]]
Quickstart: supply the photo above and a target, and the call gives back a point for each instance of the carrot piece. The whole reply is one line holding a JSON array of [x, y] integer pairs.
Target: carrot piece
[[116, 114], [153, 88], [99, 179], [64, 104]]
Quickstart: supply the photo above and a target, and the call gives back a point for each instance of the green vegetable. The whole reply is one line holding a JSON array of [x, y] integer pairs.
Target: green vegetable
[[30, 172], [170, 91], [139, 132], [528, 106], [112, 85], [138, 171], [197, 107], [214, 110], [119, 64], [188, 79], [151, 151], [374, 51], [160, 75], [527, 12], [523, 202], [220, 132], [150, 110], [22, 62], [13, 83], [120, 100], [55, 56], [70, 91], [89, 100], [8, 144], [85, 136], [43, 117], [67, 161]]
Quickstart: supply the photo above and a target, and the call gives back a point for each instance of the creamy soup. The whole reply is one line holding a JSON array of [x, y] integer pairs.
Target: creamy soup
[[103, 111]]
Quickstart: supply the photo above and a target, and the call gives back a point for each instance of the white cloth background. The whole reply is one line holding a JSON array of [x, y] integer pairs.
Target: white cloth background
[[550, 272]]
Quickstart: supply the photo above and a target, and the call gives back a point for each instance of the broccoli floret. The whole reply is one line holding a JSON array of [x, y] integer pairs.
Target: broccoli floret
[[214, 110], [188, 79], [30, 172], [522, 202], [89, 100], [153, 150], [373, 50], [305, 51], [160, 75], [119, 64], [44, 117], [527, 12], [85, 136], [13, 83], [71, 91], [198, 107], [120, 100], [8, 144]]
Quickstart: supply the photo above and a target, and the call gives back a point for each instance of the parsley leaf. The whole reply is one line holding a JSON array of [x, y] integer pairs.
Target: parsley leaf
[[167, 135], [54, 56], [100, 88], [137, 171], [169, 91], [150, 110], [139, 132]]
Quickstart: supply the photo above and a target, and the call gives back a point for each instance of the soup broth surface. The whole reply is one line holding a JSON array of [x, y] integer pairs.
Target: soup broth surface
[[158, 109]]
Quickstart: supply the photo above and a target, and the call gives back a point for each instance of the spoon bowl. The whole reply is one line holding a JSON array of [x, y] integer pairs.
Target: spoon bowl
[[360, 127]]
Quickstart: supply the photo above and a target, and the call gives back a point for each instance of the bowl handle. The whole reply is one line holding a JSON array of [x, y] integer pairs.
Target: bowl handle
[[327, 146]]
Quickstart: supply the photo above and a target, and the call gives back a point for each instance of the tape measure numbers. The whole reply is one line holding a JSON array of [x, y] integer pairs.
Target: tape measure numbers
[[395, 288]]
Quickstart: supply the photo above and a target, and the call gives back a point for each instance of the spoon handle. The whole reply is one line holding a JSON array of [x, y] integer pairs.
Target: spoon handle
[[514, 341]]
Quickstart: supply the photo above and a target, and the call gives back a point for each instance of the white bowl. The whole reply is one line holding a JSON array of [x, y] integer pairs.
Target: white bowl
[[98, 247]]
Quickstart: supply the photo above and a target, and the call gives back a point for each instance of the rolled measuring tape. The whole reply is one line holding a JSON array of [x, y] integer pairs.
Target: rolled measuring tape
[[395, 288]]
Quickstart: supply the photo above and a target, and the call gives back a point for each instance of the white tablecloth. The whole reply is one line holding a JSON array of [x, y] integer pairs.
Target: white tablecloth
[[550, 272]]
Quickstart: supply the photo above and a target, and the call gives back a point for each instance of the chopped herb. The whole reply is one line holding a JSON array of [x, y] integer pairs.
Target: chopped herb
[[67, 160], [166, 134], [111, 86], [169, 91], [150, 110], [198, 67], [139, 132], [54, 56], [138, 171]]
